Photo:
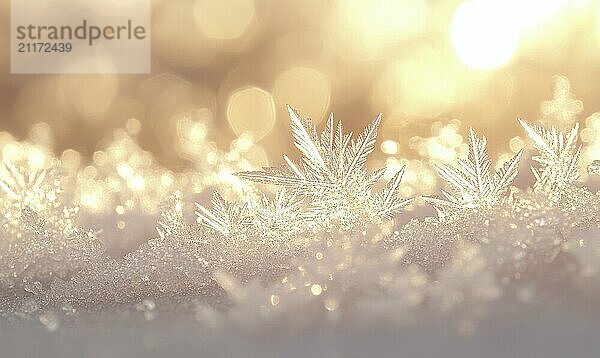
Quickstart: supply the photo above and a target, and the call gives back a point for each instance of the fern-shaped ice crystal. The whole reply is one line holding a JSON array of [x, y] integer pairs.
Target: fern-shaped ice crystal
[[558, 155], [332, 173], [225, 217], [19, 186], [473, 183], [280, 211]]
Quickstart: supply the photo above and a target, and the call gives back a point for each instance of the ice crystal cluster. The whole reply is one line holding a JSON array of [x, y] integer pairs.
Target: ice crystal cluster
[[332, 178], [39, 239], [316, 239]]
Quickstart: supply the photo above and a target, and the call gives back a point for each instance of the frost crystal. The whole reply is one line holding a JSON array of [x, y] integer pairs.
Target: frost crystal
[[19, 186], [281, 217], [278, 218], [333, 174], [38, 237], [558, 155], [23, 187], [319, 250], [226, 218], [473, 184]]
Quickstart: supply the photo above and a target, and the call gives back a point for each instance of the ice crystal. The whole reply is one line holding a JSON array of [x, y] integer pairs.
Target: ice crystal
[[473, 183], [558, 155], [278, 218], [226, 218], [38, 237], [333, 175], [337, 269], [19, 186], [516, 238], [179, 263], [39, 189], [43, 252], [281, 217], [318, 250]]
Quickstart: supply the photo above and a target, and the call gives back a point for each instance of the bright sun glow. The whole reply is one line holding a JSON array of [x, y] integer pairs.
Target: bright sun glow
[[482, 35], [486, 33]]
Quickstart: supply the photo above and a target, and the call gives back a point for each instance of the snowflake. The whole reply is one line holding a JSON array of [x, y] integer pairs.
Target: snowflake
[[472, 181], [558, 155], [333, 174]]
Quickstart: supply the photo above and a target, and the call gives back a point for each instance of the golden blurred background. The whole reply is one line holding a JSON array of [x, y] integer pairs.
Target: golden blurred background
[[225, 69]]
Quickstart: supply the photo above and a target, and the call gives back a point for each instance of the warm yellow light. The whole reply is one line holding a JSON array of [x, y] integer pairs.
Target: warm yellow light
[[90, 95], [36, 158], [257, 157], [124, 170], [316, 289], [167, 179], [390, 147], [598, 23], [528, 13], [91, 198], [421, 83], [305, 88], [224, 19], [483, 33], [516, 144], [590, 135], [136, 183], [251, 109], [384, 17], [71, 159], [366, 27]]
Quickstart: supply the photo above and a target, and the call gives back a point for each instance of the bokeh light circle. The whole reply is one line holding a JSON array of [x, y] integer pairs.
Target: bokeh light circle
[[420, 83], [305, 88], [251, 109], [224, 19]]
